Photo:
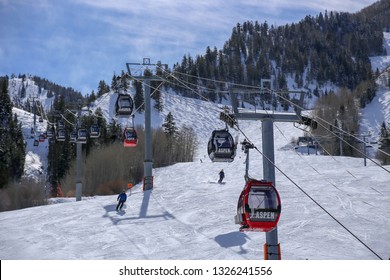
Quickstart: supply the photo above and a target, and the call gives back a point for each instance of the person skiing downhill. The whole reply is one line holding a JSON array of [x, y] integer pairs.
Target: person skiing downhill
[[221, 176], [121, 200]]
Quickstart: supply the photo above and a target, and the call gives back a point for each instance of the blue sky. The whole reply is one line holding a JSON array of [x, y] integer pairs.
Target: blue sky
[[77, 43]]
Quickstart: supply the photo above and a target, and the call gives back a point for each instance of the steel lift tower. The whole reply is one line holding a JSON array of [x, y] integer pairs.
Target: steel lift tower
[[268, 117], [148, 162]]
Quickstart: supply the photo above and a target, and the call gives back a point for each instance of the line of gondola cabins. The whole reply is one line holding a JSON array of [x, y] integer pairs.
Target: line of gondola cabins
[[259, 205], [123, 109]]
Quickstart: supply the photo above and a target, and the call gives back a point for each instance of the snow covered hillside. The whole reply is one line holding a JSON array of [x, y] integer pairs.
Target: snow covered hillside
[[25, 90], [188, 216], [378, 111], [36, 157]]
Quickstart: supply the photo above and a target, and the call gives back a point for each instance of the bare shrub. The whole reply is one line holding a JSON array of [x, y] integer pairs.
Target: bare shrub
[[186, 143], [109, 169], [109, 188], [337, 115], [26, 193]]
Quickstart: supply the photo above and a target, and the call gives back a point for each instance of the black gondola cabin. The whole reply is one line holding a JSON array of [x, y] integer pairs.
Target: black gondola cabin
[[50, 133], [221, 146], [124, 105], [60, 124], [258, 207], [82, 135], [61, 135], [73, 137], [94, 131]]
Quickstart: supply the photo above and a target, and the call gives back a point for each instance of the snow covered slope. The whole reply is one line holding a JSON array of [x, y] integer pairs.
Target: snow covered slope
[[36, 156], [188, 216], [378, 111]]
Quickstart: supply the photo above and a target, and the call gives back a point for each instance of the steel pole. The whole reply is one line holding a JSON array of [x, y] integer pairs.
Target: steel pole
[[269, 175], [35, 115], [365, 151], [79, 151], [148, 163], [79, 184]]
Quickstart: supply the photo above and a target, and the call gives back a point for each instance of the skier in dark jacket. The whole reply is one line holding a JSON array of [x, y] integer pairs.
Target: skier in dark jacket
[[121, 200], [221, 176]]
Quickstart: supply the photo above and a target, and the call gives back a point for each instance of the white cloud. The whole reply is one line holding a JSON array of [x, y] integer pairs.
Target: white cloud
[[91, 33], [191, 22], [317, 5]]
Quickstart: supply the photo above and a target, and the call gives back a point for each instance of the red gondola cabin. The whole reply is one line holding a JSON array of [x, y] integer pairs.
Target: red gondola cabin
[[130, 138], [42, 137], [258, 207]]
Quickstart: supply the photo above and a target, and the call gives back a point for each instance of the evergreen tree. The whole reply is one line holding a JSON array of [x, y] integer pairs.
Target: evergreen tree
[[114, 82], [102, 88], [17, 149], [49, 94], [384, 136], [5, 110], [92, 97], [124, 82], [59, 103], [156, 90], [384, 142], [158, 105], [53, 89], [169, 126], [60, 152], [139, 96], [23, 91], [12, 148], [102, 123], [114, 132]]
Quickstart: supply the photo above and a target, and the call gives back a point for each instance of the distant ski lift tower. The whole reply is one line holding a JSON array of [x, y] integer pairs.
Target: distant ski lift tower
[[34, 111], [137, 75], [268, 117]]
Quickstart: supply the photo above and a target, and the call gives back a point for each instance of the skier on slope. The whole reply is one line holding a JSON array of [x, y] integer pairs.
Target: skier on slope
[[221, 176], [121, 200]]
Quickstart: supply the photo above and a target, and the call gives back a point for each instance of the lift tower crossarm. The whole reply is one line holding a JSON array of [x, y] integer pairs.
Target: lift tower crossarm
[[245, 114]]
